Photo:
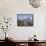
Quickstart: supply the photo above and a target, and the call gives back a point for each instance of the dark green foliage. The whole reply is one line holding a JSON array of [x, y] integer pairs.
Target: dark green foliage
[[20, 23]]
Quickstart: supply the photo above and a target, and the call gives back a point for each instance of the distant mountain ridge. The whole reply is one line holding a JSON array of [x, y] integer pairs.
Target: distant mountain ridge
[[26, 22]]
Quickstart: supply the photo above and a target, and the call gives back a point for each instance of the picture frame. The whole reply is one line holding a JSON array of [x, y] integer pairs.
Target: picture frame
[[24, 19]]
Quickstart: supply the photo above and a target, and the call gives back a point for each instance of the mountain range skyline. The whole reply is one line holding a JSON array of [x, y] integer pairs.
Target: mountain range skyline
[[24, 16]]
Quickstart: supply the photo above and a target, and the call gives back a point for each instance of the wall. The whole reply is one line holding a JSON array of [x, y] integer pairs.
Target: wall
[[10, 8], [45, 28]]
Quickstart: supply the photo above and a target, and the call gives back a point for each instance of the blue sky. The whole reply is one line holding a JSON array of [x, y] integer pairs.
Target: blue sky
[[24, 16]]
